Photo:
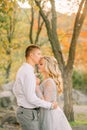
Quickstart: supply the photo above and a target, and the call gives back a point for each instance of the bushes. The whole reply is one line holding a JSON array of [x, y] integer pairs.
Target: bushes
[[80, 81]]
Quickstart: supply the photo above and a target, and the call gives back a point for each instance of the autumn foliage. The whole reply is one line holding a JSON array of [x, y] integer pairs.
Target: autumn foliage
[[20, 38]]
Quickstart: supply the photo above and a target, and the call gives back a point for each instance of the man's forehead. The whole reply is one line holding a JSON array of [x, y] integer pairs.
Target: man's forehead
[[36, 51]]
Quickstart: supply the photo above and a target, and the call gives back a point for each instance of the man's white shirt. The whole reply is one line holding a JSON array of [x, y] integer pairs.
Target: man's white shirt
[[24, 88]]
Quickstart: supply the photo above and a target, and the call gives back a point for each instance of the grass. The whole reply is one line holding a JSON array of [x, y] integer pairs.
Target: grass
[[80, 119], [78, 123], [81, 116]]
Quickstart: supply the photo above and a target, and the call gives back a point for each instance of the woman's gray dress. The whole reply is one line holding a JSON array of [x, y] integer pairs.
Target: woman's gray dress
[[51, 119]]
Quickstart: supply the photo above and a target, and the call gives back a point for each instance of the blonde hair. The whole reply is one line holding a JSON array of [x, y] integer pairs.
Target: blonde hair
[[51, 67]]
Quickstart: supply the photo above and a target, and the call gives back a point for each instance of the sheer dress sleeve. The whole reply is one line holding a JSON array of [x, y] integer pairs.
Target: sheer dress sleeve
[[49, 91], [39, 92]]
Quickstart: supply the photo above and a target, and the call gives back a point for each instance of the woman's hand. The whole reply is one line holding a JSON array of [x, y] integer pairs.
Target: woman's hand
[[37, 81], [54, 105]]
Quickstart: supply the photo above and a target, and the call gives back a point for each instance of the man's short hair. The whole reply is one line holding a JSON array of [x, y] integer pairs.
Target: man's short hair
[[30, 48]]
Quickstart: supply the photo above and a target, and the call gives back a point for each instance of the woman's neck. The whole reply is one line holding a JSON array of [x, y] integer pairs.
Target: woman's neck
[[45, 76]]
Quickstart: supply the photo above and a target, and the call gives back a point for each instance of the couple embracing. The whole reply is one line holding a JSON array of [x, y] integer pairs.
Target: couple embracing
[[37, 103]]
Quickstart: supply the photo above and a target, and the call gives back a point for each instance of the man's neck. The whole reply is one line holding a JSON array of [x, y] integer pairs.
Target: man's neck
[[30, 62]]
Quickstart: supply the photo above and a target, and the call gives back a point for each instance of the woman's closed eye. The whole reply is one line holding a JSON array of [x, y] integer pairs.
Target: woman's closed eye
[[41, 64]]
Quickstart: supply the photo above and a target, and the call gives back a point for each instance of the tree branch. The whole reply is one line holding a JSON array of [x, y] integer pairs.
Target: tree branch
[[47, 23], [31, 27], [77, 27], [52, 34], [39, 28]]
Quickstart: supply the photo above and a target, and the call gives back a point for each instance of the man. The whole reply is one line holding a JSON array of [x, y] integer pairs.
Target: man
[[24, 90]]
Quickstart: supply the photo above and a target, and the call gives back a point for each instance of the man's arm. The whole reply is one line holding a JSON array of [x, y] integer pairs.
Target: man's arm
[[30, 94]]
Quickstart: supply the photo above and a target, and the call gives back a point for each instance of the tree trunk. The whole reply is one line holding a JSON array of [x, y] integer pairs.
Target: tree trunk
[[67, 84], [8, 68]]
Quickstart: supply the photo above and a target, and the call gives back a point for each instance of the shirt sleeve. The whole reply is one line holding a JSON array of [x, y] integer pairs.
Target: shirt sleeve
[[30, 94]]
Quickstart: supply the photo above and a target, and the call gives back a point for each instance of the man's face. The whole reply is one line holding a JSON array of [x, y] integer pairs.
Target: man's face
[[36, 56], [41, 66]]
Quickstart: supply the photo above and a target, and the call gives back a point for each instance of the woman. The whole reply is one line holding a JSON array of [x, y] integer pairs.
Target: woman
[[49, 90]]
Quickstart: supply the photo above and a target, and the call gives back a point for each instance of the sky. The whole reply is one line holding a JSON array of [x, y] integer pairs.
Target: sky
[[62, 6], [67, 6]]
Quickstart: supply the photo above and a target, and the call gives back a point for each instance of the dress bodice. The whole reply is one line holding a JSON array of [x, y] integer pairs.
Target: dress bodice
[[49, 90]]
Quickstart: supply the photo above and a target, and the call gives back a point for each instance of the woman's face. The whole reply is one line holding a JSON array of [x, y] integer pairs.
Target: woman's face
[[41, 66]]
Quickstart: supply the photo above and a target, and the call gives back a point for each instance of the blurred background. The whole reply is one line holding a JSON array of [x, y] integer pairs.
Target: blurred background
[[20, 26]]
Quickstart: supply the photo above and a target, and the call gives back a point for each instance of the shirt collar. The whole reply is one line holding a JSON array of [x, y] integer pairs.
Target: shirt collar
[[29, 65]]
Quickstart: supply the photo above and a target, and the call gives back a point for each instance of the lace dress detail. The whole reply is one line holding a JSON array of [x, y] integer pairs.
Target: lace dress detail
[[51, 119], [48, 89]]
